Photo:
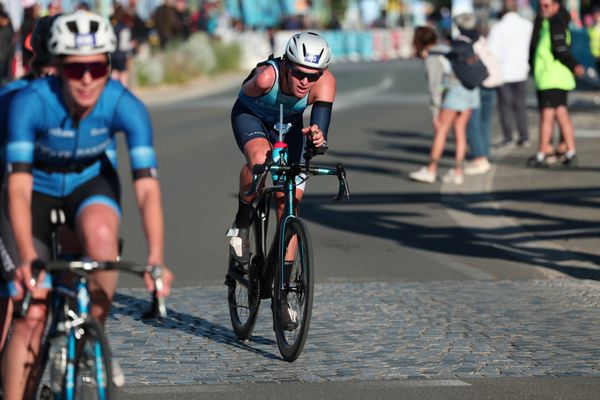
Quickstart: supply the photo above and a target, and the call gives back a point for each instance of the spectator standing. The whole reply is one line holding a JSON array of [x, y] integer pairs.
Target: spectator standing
[[30, 17], [139, 30], [480, 123], [594, 34], [553, 67], [509, 42], [7, 42], [451, 105], [121, 58], [184, 16], [167, 23]]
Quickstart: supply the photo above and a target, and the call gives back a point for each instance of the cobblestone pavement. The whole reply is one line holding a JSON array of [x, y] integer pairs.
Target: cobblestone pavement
[[371, 331]]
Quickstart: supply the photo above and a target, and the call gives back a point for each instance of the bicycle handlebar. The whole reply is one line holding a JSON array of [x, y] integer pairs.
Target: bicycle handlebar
[[292, 170], [158, 308]]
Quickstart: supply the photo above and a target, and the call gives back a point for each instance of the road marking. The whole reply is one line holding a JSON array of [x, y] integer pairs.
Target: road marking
[[202, 388], [420, 383], [587, 133]]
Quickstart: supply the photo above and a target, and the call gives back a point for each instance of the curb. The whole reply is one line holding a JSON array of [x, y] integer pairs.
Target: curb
[[197, 88]]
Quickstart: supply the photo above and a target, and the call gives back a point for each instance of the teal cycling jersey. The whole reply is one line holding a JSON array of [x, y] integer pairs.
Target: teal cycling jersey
[[266, 107], [42, 133]]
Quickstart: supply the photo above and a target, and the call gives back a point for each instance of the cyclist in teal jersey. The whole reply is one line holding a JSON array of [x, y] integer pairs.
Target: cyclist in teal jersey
[[299, 79]]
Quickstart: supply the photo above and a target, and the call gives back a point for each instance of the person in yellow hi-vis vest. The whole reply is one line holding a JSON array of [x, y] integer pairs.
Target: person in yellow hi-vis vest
[[553, 68], [594, 34]]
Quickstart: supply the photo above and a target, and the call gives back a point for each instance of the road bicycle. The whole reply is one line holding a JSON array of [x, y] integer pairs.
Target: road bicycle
[[75, 345], [284, 270]]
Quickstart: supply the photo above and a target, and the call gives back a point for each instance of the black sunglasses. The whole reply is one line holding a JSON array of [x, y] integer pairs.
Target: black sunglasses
[[77, 70], [300, 75]]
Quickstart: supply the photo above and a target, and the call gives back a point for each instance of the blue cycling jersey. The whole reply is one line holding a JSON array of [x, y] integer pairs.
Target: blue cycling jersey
[[266, 107], [42, 133], [7, 92]]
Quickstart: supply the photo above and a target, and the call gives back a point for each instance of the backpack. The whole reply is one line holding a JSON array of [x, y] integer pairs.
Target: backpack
[[467, 66]]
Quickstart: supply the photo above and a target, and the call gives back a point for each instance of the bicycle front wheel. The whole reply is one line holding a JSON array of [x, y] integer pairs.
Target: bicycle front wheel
[[243, 281], [293, 290], [93, 377]]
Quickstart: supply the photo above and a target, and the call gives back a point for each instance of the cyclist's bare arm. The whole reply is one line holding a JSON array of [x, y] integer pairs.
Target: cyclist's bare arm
[[147, 193], [261, 82], [20, 189]]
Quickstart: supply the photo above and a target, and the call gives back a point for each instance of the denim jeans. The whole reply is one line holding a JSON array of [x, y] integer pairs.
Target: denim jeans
[[480, 125]]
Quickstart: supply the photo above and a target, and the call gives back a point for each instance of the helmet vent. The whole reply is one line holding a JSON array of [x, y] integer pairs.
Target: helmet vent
[[72, 26], [94, 26]]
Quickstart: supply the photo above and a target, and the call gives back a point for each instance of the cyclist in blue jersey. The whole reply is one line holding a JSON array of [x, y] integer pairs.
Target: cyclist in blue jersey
[[299, 79], [58, 131], [42, 64]]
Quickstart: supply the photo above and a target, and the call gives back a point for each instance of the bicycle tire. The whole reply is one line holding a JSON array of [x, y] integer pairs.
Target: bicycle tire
[[93, 377], [243, 283], [298, 293]]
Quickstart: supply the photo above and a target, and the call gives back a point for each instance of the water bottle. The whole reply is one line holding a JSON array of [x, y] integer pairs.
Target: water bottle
[[58, 361], [279, 151]]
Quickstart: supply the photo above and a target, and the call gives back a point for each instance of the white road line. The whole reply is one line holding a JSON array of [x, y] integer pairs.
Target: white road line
[[421, 383]]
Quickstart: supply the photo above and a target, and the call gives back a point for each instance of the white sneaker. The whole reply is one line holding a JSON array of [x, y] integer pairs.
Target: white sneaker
[[452, 177], [117, 373], [423, 175], [477, 167]]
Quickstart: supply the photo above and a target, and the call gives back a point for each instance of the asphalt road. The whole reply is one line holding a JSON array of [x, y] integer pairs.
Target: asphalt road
[[413, 300]]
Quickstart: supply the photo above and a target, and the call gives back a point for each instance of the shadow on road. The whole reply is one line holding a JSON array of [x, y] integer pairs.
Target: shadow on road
[[391, 154], [129, 305]]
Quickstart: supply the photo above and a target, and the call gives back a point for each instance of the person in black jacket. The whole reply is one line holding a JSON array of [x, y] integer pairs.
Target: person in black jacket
[[553, 66]]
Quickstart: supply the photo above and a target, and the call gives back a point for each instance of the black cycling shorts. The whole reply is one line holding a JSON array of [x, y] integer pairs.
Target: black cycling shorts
[[102, 189], [552, 98], [247, 126]]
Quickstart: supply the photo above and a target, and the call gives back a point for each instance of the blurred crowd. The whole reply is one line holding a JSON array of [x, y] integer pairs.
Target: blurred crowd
[[511, 49], [141, 22], [170, 22]]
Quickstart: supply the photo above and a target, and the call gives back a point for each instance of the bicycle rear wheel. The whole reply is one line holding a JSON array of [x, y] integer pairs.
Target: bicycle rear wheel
[[243, 281], [93, 369], [296, 297]]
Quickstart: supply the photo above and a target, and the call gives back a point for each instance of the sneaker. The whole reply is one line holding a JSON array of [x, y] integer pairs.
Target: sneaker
[[524, 143], [546, 162], [453, 177], [239, 244], [289, 317], [570, 161], [117, 373], [477, 167], [423, 175], [505, 144]]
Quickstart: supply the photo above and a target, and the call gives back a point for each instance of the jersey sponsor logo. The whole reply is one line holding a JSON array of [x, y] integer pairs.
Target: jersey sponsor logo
[[85, 39], [312, 58], [92, 151], [62, 133], [99, 131]]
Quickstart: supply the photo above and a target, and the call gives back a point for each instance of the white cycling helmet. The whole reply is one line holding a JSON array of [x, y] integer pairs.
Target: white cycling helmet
[[309, 50], [81, 33]]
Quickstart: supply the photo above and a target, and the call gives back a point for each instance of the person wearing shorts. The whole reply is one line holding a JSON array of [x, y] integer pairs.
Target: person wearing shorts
[[553, 69], [451, 105], [59, 131]]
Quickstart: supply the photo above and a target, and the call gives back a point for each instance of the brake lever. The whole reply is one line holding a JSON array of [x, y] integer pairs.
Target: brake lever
[[343, 190], [158, 309], [36, 268], [311, 151]]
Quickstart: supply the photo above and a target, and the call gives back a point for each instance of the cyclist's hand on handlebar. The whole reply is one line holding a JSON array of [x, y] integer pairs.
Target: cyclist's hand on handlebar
[[25, 281], [315, 135], [167, 278]]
